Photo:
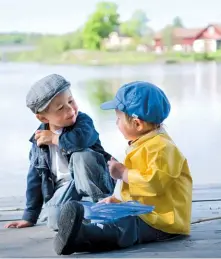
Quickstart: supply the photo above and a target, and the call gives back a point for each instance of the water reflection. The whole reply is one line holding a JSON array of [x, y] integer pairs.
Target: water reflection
[[198, 87], [99, 91]]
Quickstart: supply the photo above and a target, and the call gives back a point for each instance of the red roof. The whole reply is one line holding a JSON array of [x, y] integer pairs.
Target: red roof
[[180, 33], [216, 25], [206, 34]]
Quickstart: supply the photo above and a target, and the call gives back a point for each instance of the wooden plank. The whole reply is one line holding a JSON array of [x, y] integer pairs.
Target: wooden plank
[[200, 210], [37, 242], [205, 239], [206, 210]]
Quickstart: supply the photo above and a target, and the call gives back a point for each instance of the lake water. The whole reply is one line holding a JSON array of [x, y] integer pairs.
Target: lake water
[[194, 123]]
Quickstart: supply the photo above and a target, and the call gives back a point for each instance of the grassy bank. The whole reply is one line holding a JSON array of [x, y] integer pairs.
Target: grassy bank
[[84, 57]]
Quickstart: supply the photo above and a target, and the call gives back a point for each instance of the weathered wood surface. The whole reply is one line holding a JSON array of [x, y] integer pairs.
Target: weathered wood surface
[[204, 241]]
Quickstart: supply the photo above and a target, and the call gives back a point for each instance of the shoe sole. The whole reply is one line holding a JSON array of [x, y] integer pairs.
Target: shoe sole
[[69, 224]]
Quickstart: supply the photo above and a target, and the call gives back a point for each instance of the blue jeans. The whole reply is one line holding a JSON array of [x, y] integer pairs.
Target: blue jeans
[[122, 233], [91, 181]]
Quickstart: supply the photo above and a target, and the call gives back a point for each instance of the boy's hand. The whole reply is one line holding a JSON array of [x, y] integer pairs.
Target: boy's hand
[[19, 224], [46, 137], [117, 170], [110, 199]]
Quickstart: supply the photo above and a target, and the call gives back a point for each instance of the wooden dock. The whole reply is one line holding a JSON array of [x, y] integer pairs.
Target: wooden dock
[[204, 241]]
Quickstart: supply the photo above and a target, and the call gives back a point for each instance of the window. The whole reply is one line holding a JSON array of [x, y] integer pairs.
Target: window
[[211, 30]]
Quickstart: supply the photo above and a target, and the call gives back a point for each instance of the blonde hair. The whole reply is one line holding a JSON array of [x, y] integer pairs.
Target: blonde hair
[[129, 119]]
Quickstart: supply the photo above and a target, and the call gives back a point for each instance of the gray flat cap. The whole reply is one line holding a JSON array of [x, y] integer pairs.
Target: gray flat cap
[[44, 90]]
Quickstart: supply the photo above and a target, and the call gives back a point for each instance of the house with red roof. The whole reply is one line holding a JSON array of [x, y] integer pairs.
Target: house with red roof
[[207, 39]]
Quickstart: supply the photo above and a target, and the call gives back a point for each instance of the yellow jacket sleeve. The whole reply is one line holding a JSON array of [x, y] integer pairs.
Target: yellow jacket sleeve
[[162, 169]]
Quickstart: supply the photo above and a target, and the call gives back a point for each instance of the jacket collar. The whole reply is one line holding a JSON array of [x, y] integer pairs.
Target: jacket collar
[[146, 137], [46, 127]]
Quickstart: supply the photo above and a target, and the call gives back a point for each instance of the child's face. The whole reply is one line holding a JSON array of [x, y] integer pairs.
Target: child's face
[[127, 129], [61, 112], [134, 129]]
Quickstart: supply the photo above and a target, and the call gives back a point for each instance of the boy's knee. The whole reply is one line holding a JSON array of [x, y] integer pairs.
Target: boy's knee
[[87, 157]]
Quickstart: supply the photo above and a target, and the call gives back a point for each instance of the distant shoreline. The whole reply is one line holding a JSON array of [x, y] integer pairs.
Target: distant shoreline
[[102, 58]]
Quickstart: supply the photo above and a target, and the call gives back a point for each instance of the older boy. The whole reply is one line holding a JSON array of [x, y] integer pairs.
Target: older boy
[[67, 160]]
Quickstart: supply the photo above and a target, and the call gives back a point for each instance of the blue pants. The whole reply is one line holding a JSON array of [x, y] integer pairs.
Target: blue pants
[[91, 181], [122, 233]]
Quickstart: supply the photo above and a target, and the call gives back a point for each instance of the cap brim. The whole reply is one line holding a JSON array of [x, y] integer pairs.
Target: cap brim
[[43, 107], [111, 105]]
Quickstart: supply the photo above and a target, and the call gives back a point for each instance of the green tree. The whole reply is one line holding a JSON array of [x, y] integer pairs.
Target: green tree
[[51, 45], [74, 40], [177, 22], [19, 38], [100, 24], [136, 26], [167, 36], [147, 38]]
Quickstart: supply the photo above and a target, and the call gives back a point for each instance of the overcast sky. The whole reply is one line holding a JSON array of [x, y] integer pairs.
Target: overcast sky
[[60, 16]]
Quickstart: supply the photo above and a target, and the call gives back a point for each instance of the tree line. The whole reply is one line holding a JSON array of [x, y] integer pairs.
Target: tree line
[[104, 20]]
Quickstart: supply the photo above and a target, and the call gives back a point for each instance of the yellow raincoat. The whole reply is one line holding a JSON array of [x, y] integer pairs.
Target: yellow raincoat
[[159, 175]]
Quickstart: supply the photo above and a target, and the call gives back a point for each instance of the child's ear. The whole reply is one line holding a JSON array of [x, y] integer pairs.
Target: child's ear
[[138, 124], [42, 118]]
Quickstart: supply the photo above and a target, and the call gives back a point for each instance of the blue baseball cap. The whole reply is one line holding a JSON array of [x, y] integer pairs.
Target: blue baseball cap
[[141, 100]]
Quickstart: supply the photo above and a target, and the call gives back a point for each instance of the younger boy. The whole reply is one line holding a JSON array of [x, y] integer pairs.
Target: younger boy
[[67, 160], [154, 172]]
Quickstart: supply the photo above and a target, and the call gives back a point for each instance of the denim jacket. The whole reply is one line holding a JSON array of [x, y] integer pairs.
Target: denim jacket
[[40, 179]]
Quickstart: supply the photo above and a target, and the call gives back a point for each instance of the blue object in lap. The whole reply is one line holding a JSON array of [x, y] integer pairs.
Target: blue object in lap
[[103, 212]]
